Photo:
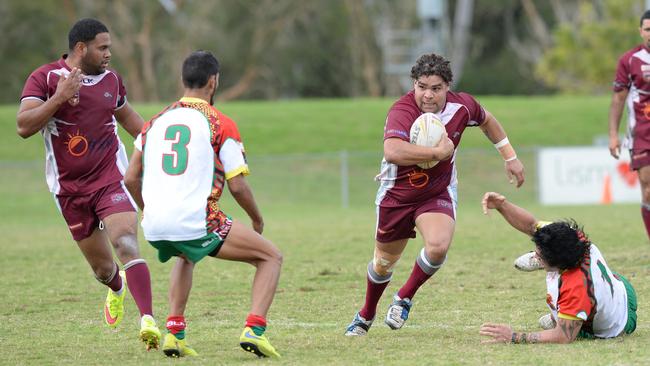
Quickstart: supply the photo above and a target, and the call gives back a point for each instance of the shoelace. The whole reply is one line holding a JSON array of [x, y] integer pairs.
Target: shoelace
[[114, 303]]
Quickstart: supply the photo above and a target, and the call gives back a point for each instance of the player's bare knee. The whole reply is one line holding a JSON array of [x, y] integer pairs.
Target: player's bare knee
[[105, 272], [275, 256], [266, 257], [429, 265], [278, 257], [436, 250], [271, 253], [126, 247]]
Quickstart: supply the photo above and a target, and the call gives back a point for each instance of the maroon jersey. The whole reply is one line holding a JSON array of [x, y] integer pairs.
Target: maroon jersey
[[402, 185], [633, 73], [82, 150]]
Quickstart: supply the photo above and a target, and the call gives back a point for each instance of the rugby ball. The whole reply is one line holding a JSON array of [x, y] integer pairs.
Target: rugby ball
[[427, 130]]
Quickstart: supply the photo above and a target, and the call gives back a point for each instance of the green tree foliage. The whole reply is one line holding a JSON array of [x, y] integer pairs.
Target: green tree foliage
[[267, 48], [33, 32], [585, 52], [294, 48]]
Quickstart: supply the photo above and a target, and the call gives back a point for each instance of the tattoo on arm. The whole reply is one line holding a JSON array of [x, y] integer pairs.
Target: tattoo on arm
[[525, 337], [570, 328]]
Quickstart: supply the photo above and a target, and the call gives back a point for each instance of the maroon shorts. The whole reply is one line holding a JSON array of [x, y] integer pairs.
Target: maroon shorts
[[396, 222], [639, 159], [83, 213]]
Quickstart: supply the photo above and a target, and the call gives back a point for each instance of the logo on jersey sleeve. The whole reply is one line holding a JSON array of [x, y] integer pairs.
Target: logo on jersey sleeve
[[77, 144]]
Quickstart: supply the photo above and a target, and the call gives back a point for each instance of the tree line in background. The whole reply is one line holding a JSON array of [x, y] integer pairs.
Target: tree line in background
[[294, 48]]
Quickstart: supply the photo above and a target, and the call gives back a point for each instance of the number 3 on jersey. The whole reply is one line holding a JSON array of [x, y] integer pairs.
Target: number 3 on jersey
[[176, 162]]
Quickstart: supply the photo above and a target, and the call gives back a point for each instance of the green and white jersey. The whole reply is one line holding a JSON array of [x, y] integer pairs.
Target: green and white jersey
[[189, 150]]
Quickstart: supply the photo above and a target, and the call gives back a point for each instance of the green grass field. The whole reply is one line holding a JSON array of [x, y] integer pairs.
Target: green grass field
[[51, 311]]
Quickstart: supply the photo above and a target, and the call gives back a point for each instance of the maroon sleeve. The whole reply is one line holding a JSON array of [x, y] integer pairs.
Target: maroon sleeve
[[398, 124], [622, 80], [121, 92], [35, 86], [476, 111]]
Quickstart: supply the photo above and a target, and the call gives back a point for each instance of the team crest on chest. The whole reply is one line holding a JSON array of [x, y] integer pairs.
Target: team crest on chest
[[645, 72], [646, 110], [74, 101]]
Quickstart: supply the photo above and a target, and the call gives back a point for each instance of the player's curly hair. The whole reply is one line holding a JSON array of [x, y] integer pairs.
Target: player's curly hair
[[432, 64], [562, 244]]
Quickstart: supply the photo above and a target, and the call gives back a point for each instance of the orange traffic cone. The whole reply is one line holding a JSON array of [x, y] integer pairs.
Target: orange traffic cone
[[607, 190]]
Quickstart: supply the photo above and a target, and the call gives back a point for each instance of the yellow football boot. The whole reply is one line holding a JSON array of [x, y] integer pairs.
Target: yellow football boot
[[149, 332], [258, 345], [174, 347], [114, 305]]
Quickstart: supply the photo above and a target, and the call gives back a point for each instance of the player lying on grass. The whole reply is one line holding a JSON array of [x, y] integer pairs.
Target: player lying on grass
[[586, 298]]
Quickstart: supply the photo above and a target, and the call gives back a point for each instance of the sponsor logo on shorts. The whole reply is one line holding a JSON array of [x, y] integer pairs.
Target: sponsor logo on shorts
[[119, 197], [108, 95], [76, 226], [206, 243], [444, 203], [383, 232]]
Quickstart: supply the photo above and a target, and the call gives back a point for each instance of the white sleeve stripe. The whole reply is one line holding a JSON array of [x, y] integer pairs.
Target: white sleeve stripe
[[32, 98], [117, 108]]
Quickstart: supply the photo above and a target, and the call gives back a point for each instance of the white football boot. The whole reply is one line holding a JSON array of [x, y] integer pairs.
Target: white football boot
[[547, 322], [528, 262]]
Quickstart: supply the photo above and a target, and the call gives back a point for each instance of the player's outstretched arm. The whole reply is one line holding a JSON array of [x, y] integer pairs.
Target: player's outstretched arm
[[34, 114], [516, 216], [497, 135], [242, 193], [133, 178], [400, 152], [565, 331], [615, 113], [129, 119]]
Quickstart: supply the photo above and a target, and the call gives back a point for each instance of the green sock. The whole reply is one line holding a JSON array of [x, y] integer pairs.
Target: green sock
[[179, 335], [258, 330]]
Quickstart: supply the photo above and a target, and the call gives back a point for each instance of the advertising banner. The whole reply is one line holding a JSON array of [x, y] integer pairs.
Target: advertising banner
[[585, 175]]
